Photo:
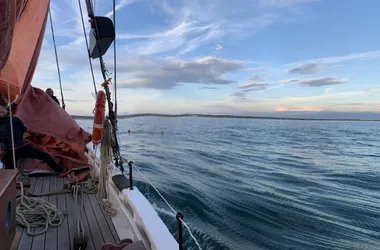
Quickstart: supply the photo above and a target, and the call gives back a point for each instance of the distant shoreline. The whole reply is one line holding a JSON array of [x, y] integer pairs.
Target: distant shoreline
[[80, 117]]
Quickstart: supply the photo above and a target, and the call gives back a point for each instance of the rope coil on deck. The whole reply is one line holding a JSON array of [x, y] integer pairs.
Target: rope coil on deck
[[171, 208], [34, 212]]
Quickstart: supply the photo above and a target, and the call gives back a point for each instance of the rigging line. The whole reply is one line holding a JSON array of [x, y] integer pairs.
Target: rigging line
[[88, 51], [9, 89], [56, 59], [10, 118], [114, 57], [167, 203], [111, 113]]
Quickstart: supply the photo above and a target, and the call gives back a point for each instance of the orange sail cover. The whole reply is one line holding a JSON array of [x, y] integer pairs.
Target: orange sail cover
[[22, 28]]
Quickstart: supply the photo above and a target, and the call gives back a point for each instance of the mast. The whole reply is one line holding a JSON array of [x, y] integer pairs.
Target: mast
[[102, 43]]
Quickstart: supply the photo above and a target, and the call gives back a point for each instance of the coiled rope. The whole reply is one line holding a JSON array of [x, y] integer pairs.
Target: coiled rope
[[171, 208], [34, 212]]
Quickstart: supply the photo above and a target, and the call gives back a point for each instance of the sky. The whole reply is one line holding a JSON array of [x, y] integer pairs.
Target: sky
[[222, 57]]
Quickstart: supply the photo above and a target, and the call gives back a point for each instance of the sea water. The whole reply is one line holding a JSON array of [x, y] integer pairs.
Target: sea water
[[261, 184]]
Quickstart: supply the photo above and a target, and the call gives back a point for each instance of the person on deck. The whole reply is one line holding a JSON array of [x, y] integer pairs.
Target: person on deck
[[50, 92], [22, 150]]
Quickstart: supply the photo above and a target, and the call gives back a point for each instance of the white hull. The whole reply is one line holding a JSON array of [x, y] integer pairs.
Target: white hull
[[136, 218]]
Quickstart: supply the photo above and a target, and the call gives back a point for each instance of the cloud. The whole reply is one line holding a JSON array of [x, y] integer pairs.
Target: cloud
[[339, 59], [334, 95], [282, 3], [218, 48], [239, 94], [327, 91], [208, 88], [323, 81], [254, 69], [191, 24], [255, 83], [258, 87], [170, 72], [297, 109], [172, 39], [336, 66], [120, 5], [316, 82], [369, 55], [305, 69], [292, 80]]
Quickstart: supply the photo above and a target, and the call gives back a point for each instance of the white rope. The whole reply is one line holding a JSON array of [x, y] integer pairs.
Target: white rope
[[9, 90], [34, 212], [79, 228], [167, 203]]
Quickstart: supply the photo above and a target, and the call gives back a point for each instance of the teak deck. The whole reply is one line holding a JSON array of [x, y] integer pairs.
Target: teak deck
[[98, 227]]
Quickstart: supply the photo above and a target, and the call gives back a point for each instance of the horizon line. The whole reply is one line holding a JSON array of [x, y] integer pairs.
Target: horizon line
[[87, 117]]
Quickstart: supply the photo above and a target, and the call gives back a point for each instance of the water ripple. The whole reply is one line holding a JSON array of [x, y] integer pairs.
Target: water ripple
[[261, 184]]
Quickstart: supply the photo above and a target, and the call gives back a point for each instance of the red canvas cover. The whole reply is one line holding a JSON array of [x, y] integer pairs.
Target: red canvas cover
[[50, 128]]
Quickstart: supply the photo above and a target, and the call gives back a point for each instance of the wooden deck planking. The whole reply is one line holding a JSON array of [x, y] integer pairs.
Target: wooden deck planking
[[100, 218], [98, 227], [26, 240], [51, 240], [70, 203], [107, 218], [39, 240], [92, 223], [63, 242]]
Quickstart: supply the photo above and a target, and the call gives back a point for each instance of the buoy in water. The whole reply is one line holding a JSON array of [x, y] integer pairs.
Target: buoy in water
[[129, 131], [162, 132]]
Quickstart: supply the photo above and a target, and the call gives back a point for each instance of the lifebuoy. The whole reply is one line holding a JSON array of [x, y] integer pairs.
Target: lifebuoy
[[99, 111]]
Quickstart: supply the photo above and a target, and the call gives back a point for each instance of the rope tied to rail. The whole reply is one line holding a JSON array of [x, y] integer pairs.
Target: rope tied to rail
[[33, 212], [171, 208]]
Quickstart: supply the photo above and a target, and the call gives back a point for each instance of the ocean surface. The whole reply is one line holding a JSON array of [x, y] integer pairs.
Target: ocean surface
[[261, 184]]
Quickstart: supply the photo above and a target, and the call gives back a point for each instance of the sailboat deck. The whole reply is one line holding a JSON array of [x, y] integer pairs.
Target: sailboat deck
[[98, 227]]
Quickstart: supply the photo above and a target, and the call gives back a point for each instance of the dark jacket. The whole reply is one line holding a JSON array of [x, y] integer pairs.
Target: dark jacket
[[19, 129], [55, 99]]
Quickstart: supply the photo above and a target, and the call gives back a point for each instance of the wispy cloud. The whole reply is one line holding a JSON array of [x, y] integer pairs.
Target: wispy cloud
[[218, 47], [370, 55], [305, 69], [322, 81], [316, 82], [282, 3], [208, 88], [120, 5], [191, 26], [333, 95], [254, 69], [297, 109], [256, 83]]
